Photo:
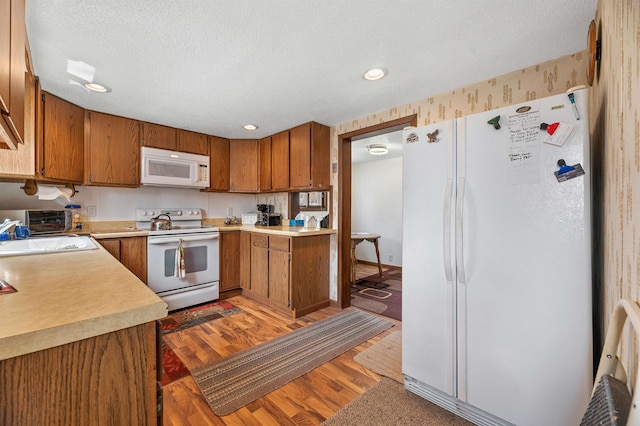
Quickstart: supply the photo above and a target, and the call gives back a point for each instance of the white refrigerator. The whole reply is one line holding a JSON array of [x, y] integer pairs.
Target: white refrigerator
[[496, 299]]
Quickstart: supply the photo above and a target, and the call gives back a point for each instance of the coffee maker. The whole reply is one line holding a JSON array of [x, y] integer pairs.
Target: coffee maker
[[266, 216]]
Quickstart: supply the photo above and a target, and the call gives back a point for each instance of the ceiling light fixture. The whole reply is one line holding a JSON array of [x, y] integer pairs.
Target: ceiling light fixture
[[373, 74], [96, 87], [377, 149], [250, 127]]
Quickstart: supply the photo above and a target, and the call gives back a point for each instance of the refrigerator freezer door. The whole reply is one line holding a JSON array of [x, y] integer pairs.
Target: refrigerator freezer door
[[524, 321], [428, 326]]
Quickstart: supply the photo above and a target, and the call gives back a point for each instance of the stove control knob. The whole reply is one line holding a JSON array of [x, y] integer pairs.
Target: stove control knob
[[179, 213], [190, 213]]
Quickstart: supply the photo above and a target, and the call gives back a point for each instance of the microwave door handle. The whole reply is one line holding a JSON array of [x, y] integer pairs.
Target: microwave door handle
[[177, 239]]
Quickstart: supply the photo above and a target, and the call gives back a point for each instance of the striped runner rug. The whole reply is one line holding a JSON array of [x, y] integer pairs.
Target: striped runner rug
[[239, 379]]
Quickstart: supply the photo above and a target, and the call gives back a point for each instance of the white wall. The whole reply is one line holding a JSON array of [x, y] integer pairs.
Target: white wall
[[119, 204], [376, 207]]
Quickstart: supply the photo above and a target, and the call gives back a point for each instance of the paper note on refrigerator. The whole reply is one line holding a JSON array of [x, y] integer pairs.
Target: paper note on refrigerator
[[560, 136], [523, 148]]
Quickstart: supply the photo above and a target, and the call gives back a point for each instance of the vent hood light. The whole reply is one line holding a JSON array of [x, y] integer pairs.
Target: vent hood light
[[378, 149], [250, 127], [373, 74], [96, 87]]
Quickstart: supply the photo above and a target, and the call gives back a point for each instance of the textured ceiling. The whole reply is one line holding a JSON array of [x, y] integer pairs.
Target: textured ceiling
[[212, 66]]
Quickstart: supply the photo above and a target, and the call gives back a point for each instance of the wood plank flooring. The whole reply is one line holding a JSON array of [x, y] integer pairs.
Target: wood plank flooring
[[308, 400]]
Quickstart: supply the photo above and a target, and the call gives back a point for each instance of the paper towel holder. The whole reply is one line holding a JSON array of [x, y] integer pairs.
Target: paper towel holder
[[31, 187]]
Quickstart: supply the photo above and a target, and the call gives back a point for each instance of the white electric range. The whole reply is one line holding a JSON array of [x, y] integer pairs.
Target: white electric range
[[200, 253]]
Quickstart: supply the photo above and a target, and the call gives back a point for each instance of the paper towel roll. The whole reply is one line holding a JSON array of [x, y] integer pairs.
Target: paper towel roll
[[53, 192]]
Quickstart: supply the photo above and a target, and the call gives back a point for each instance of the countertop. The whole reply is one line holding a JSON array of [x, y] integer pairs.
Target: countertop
[[116, 231], [292, 231], [66, 297]]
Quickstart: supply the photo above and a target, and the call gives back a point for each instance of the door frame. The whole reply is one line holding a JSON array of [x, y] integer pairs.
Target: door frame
[[344, 197]]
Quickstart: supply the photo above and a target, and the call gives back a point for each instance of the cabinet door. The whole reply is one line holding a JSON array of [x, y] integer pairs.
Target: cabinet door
[[243, 159], [260, 264], [280, 161], [245, 260], [5, 54], [300, 156], [219, 163], [158, 136], [61, 141], [131, 252], [112, 245], [279, 261], [229, 260], [133, 255], [112, 154], [265, 164], [12, 72], [309, 157], [195, 143]]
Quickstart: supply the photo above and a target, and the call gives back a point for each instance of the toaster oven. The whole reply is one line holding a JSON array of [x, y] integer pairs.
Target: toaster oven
[[40, 222]]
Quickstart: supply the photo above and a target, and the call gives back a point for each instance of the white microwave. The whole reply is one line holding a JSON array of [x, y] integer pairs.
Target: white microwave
[[161, 167]]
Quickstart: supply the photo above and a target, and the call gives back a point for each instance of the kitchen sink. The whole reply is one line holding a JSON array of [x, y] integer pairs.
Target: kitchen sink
[[42, 245]]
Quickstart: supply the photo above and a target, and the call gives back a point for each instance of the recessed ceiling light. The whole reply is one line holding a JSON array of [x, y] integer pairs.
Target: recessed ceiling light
[[373, 74], [250, 126], [377, 149], [96, 87]]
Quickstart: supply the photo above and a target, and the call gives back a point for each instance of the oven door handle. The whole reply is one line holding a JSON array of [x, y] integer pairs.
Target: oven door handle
[[169, 240]]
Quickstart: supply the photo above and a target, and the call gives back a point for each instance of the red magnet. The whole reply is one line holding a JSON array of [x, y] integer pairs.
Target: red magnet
[[550, 128]]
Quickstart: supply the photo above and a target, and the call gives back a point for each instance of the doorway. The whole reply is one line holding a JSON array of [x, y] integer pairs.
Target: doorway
[[344, 198]]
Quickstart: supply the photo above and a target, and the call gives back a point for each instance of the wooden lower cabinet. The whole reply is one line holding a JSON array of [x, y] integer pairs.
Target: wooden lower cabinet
[[109, 379], [290, 274], [130, 251], [229, 261]]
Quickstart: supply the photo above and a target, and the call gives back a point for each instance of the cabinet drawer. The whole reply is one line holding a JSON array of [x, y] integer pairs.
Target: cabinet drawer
[[260, 240], [279, 243]]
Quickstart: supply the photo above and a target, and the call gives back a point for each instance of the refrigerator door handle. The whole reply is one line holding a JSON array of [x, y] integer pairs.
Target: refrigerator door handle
[[462, 279], [447, 231]]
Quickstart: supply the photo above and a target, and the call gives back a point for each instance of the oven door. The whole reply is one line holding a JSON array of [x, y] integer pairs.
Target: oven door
[[201, 261]]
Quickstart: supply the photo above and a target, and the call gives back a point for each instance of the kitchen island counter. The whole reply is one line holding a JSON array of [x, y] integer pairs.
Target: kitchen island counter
[[66, 297], [289, 231]]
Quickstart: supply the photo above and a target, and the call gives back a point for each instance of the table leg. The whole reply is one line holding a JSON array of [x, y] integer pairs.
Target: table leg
[[375, 243]]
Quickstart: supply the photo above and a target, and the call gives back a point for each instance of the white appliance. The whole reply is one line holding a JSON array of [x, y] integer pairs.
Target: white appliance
[[496, 264], [201, 248], [161, 167]]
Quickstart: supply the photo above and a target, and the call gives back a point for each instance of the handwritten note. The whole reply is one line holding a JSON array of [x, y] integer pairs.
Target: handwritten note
[[523, 148]]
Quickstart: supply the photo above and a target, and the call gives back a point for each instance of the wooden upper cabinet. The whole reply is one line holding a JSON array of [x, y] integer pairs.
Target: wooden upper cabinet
[[195, 143], [158, 136], [219, 164], [280, 161], [13, 39], [112, 152], [265, 164], [60, 140], [243, 162], [309, 157]]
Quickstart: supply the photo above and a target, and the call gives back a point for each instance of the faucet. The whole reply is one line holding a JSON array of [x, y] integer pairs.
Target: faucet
[[8, 224]]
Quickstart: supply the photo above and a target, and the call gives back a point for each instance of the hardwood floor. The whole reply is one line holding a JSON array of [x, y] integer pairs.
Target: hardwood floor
[[308, 400]]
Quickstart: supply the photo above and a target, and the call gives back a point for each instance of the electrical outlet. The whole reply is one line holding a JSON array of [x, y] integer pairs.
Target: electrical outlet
[[390, 258], [91, 211]]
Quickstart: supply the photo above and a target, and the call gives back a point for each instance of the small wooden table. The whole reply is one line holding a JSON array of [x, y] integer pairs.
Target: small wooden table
[[356, 239]]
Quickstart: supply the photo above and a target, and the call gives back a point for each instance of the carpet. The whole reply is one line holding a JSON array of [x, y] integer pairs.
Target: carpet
[[383, 301], [385, 357], [172, 366], [388, 403], [239, 379]]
